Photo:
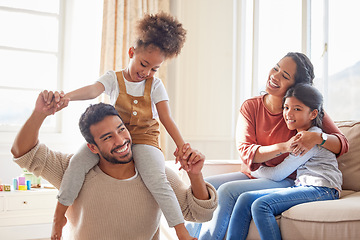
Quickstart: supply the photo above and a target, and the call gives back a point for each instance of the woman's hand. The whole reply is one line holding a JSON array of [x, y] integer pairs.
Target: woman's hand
[[304, 141], [288, 146]]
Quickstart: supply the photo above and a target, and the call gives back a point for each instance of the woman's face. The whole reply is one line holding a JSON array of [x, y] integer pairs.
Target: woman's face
[[281, 77]]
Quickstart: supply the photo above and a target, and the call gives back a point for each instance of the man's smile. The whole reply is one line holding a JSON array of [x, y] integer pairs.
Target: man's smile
[[122, 149]]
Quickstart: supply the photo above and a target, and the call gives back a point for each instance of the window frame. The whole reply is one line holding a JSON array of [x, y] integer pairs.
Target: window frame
[[57, 128], [253, 22]]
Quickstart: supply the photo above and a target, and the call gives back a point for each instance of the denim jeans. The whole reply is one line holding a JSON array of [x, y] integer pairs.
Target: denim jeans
[[229, 187], [264, 205]]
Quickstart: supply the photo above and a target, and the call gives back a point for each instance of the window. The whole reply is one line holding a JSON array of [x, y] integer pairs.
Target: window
[[30, 57], [279, 32], [335, 52], [331, 42]]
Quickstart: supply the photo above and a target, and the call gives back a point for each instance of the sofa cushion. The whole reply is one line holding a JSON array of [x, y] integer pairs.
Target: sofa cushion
[[349, 163], [335, 219]]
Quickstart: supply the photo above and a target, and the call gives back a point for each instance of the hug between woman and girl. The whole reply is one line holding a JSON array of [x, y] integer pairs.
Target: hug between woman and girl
[[288, 119], [288, 146]]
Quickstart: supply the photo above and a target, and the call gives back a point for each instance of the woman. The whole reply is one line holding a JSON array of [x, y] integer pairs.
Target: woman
[[261, 130]]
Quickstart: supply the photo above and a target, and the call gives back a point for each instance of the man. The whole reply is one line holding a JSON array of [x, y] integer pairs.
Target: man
[[114, 202]]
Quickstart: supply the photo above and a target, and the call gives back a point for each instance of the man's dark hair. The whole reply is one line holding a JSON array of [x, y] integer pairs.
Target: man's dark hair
[[93, 114]]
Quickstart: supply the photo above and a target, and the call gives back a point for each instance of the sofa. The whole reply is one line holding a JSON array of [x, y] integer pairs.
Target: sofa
[[330, 220]]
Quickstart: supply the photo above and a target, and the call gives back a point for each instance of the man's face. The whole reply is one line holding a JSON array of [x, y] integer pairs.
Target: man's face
[[113, 141]]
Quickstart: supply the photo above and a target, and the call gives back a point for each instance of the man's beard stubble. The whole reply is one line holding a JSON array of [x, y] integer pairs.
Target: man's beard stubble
[[113, 160]]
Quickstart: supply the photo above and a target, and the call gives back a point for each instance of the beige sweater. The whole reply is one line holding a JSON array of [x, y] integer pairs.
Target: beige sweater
[[107, 208]]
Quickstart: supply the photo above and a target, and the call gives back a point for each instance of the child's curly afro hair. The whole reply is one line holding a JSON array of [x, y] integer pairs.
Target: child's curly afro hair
[[163, 31]]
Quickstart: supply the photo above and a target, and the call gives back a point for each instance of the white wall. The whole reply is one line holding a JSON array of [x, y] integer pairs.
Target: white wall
[[201, 79]]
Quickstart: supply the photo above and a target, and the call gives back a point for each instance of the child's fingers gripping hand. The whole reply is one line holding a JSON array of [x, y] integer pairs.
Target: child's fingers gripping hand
[[185, 148], [50, 96], [184, 156], [185, 151], [55, 100], [58, 96], [176, 154], [178, 158], [183, 162], [60, 99], [64, 102]]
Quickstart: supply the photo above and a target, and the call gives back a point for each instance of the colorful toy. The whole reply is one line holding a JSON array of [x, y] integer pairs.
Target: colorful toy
[[15, 184], [21, 181]]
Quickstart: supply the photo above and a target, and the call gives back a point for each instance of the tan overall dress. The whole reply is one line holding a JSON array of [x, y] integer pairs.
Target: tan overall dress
[[136, 114]]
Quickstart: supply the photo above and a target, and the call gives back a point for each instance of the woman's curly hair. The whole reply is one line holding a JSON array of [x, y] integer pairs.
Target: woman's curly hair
[[161, 30]]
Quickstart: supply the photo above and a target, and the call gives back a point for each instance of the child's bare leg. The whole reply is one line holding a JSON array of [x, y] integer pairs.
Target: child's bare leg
[[182, 233], [59, 221]]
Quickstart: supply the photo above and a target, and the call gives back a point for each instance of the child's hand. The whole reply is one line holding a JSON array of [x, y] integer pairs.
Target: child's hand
[[42, 107], [50, 96], [54, 100], [180, 157]]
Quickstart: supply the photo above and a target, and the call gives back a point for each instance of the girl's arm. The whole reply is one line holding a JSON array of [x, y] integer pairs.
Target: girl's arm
[[163, 109], [285, 168], [85, 93]]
